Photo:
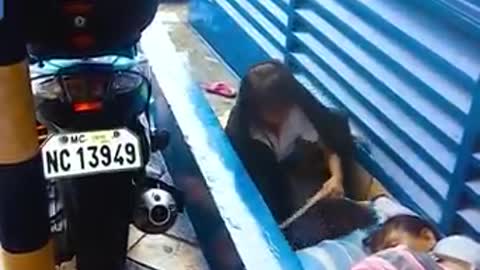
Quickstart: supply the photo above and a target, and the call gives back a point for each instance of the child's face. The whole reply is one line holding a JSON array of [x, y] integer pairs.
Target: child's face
[[423, 242]]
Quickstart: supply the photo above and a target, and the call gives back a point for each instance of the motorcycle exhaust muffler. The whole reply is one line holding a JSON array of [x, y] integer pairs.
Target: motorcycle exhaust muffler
[[156, 211]]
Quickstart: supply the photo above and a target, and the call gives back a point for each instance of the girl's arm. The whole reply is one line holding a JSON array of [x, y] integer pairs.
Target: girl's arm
[[335, 166], [333, 187]]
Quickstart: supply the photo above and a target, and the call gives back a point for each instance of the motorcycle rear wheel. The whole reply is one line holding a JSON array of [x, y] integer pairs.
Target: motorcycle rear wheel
[[98, 211]]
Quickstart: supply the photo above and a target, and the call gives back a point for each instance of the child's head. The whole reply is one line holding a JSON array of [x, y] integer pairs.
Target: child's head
[[411, 231], [267, 88]]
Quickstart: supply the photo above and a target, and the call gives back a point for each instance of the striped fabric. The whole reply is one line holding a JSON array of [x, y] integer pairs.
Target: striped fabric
[[397, 258], [340, 254]]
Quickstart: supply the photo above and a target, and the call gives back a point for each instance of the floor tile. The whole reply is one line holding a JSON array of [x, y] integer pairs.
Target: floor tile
[[162, 252]]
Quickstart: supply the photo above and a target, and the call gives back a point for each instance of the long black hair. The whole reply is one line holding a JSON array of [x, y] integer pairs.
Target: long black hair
[[272, 82], [328, 219]]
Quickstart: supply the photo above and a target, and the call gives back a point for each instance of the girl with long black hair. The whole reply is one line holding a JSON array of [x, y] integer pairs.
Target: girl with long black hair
[[293, 147]]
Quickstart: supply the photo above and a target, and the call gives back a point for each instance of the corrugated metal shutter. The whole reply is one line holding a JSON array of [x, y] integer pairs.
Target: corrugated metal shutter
[[261, 15], [263, 22], [408, 74]]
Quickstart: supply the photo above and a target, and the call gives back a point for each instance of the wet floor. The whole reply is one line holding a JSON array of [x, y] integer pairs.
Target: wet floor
[[201, 61]]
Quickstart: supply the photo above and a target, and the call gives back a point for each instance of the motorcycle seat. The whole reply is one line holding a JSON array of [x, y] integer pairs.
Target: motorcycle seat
[[86, 28]]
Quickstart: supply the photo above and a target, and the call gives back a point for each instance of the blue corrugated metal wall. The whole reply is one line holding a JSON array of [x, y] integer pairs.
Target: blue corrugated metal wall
[[406, 71]]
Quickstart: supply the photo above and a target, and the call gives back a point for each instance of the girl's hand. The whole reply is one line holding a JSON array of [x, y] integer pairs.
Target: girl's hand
[[333, 188]]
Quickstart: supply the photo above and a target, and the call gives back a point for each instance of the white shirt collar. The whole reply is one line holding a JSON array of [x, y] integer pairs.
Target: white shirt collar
[[297, 126]]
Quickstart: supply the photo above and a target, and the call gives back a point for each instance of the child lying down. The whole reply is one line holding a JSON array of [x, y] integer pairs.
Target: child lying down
[[330, 219], [450, 253], [407, 233], [331, 236]]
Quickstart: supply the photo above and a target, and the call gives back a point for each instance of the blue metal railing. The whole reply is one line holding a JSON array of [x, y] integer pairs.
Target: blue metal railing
[[407, 72]]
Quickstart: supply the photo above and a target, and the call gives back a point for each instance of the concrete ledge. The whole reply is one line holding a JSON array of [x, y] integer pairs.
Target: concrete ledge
[[244, 215]]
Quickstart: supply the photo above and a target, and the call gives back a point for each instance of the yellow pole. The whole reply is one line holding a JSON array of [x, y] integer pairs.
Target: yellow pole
[[18, 135], [19, 143], [24, 222], [41, 259]]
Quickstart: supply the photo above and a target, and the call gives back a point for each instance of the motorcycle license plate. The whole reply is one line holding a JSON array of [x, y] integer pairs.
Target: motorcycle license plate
[[78, 154]]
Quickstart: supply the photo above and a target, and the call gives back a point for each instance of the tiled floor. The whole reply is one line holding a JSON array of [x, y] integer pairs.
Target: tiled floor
[[177, 249], [166, 252]]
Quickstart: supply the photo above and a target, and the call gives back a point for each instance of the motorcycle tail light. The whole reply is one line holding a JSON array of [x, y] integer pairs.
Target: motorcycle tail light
[[42, 133], [91, 106]]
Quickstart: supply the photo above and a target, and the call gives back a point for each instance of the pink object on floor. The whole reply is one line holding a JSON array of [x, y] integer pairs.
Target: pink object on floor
[[220, 88]]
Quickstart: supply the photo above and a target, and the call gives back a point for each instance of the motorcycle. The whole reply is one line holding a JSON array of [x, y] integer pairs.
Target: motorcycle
[[97, 137]]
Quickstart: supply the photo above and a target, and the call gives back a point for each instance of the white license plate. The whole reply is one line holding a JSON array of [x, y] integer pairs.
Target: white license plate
[[77, 154]]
